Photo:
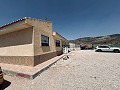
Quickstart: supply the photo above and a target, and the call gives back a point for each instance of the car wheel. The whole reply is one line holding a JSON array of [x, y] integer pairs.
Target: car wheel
[[99, 50], [116, 51]]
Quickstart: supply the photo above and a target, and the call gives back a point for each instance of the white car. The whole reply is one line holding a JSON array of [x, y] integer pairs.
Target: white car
[[107, 49]]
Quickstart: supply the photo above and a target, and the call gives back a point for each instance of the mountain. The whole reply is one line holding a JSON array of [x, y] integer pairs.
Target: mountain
[[109, 39]]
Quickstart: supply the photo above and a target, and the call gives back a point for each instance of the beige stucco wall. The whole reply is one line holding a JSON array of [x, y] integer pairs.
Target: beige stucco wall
[[58, 48], [42, 28], [38, 49], [18, 43]]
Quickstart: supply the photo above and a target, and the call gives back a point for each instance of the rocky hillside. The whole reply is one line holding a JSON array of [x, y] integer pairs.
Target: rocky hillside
[[109, 39]]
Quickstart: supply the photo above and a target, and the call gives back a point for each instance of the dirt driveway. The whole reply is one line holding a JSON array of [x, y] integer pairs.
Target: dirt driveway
[[85, 70]]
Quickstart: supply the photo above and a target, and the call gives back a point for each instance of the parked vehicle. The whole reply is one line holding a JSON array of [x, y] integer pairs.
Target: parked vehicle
[[1, 78], [83, 47], [107, 48]]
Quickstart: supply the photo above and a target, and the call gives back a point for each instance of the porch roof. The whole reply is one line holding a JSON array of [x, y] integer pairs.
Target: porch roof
[[14, 26]]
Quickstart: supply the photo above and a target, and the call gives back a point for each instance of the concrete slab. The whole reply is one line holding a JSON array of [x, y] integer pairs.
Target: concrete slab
[[28, 71]]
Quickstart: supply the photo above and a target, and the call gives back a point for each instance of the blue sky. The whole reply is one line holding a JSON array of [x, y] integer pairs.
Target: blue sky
[[71, 18]]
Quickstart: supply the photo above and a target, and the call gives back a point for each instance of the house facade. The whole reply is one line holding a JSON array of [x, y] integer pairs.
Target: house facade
[[29, 42]]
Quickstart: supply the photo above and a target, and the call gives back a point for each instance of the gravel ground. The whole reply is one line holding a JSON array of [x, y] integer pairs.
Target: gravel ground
[[84, 70]]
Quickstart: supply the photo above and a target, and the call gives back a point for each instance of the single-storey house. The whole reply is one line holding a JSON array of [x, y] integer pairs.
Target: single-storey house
[[29, 42]]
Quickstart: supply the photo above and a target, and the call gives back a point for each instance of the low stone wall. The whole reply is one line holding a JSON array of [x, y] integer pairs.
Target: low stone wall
[[44, 57], [59, 53], [18, 60], [29, 60]]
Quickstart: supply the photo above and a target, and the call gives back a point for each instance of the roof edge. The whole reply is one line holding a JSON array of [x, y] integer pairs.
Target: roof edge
[[22, 20], [59, 35]]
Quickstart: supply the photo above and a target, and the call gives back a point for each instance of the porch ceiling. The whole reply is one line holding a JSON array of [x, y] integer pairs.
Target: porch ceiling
[[14, 28]]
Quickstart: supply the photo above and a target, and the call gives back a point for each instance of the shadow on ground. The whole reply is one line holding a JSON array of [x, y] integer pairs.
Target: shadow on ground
[[108, 52], [5, 85]]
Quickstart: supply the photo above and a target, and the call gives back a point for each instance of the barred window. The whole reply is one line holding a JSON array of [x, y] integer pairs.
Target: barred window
[[44, 40], [57, 43]]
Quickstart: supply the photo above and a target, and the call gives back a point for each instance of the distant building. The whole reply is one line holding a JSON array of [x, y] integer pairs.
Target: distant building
[[29, 42], [74, 46]]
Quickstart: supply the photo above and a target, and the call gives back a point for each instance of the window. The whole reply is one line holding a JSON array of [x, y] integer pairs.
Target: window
[[103, 47], [57, 43], [44, 40]]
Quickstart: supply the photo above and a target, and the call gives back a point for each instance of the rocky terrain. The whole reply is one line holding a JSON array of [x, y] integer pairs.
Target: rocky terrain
[[109, 39]]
